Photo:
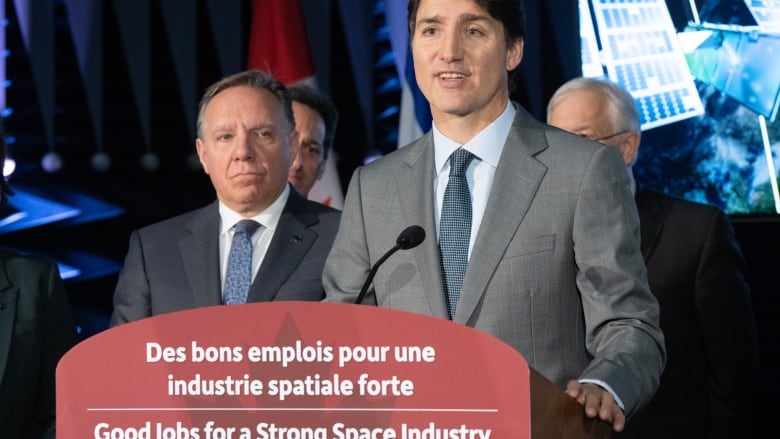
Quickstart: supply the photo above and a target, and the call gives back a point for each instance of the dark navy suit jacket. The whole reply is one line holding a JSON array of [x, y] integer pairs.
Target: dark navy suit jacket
[[36, 329], [174, 265], [696, 271]]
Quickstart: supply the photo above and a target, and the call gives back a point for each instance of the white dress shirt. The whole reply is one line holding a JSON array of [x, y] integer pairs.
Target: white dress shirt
[[487, 146]]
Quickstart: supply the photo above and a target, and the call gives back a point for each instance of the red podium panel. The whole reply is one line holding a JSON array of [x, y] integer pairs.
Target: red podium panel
[[293, 370]]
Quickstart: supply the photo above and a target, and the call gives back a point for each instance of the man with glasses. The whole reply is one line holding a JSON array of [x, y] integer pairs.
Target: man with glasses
[[695, 269]]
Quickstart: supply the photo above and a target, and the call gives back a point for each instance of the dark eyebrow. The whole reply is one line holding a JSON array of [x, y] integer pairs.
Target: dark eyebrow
[[473, 17], [435, 19], [262, 126], [465, 18]]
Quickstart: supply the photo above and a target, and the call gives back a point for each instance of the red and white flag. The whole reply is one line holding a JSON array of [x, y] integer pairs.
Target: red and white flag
[[278, 44]]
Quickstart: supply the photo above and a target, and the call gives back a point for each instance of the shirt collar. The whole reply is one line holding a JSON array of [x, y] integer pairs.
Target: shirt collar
[[269, 218], [486, 145]]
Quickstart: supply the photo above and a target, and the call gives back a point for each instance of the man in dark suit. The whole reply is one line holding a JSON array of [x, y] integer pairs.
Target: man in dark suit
[[525, 251], [696, 271], [36, 329], [246, 143]]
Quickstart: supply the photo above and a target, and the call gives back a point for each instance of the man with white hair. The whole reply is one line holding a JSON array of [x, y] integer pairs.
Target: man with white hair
[[695, 270]]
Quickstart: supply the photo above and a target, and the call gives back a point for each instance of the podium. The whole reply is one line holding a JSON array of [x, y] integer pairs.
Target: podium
[[294, 370]]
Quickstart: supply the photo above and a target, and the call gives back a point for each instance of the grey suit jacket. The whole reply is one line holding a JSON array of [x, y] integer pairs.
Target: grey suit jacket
[[36, 329], [555, 271], [174, 265]]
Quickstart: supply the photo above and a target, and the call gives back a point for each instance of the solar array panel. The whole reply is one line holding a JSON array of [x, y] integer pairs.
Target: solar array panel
[[766, 13], [640, 51], [589, 46]]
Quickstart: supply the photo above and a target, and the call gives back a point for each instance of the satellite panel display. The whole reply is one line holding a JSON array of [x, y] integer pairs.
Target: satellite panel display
[[640, 51]]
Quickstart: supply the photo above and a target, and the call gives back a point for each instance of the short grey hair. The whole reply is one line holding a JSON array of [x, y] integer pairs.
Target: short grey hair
[[623, 109], [249, 78]]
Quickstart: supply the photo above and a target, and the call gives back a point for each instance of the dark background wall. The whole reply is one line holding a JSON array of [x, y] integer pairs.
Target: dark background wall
[[75, 91], [92, 79]]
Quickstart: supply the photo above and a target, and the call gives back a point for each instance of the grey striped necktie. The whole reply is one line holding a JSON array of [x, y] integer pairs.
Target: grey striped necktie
[[455, 227]]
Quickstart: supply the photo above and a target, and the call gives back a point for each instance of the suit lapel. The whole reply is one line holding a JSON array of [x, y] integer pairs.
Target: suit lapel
[[9, 294], [650, 220], [515, 184], [288, 247], [417, 204], [199, 246]]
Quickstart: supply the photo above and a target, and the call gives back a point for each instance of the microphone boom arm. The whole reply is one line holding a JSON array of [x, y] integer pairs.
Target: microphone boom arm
[[411, 237], [373, 273]]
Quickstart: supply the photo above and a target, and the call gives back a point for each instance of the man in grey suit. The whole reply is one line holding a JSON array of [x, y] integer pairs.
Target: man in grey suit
[[246, 142], [554, 267]]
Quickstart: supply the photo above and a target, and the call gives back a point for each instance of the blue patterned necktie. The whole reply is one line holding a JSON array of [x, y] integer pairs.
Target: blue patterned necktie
[[455, 227], [238, 278]]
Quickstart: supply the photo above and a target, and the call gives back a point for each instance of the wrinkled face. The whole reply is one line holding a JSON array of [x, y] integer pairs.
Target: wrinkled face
[[245, 148], [308, 165], [461, 58], [587, 114]]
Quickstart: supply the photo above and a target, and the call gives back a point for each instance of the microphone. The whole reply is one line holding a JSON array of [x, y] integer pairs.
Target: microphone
[[411, 237]]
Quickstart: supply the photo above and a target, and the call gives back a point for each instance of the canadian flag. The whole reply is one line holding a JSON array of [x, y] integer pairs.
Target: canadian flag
[[278, 44]]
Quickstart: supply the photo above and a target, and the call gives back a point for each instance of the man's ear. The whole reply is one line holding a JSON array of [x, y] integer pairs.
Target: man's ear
[[629, 147], [200, 148], [514, 54]]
